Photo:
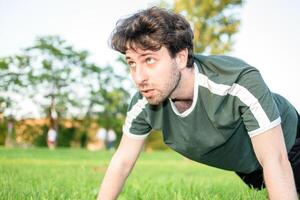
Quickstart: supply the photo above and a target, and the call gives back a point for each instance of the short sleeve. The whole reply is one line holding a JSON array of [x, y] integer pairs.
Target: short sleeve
[[135, 125], [257, 105]]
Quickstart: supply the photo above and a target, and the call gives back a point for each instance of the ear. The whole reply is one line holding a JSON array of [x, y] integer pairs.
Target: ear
[[181, 58]]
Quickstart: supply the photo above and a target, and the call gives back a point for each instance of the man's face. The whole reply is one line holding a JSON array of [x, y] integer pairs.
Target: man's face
[[155, 73]]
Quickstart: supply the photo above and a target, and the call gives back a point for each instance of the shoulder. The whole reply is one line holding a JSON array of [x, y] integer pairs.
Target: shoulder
[[222, 69], [223, 63], [221, 59]]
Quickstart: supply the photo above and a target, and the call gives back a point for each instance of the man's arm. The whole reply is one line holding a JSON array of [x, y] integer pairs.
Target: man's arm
[[271, 152], [119, 168]]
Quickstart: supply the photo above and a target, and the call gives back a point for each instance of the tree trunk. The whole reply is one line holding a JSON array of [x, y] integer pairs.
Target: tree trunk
[[53, 115], [9, 142], [53, 126]]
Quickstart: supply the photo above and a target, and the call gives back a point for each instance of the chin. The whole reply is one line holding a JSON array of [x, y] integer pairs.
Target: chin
[[155, 101]]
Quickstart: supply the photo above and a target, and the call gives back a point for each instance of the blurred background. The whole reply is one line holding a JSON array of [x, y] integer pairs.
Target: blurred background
[[62, 86]]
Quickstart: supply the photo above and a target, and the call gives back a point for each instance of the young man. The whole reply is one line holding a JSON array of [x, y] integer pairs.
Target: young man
[[215, 110]]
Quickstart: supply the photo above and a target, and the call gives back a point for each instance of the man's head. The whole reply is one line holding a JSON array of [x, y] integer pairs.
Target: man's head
[[158, 46], [151, 29]]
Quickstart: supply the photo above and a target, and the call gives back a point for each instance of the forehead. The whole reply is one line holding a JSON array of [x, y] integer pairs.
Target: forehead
[[142, 44], [138, 52]]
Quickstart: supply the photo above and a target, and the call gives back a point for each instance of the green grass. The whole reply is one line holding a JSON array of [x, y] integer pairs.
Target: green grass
[[76, 174]]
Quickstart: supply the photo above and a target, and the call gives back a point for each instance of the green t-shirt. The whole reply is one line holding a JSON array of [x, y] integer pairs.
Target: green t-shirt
[[231, 104]]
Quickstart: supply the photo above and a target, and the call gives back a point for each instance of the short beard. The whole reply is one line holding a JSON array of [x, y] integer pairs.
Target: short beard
[[168, 90]]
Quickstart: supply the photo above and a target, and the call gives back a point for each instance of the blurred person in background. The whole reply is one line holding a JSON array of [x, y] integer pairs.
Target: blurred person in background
[[51, 138]]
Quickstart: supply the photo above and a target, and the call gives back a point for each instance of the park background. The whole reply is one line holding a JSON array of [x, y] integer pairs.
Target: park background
[[57, 70]]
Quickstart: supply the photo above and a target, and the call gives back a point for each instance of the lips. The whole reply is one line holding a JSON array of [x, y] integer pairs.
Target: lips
[[147, 93]]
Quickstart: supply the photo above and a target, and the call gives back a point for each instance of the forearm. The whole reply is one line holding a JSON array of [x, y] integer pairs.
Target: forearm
[[119, 168], [113, 180], [279, 180]]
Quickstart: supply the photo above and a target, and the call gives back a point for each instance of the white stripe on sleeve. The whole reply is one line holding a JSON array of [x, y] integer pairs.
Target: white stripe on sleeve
[[131, 115], [245, 96]]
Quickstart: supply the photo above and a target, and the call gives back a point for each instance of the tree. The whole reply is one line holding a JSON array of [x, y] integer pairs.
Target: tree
[[108, 98], [214, 22], [65, 85], [13, 72], [56, 75]]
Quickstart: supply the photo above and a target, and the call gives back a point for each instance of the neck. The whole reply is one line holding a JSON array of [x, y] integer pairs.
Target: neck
[[185, 89]]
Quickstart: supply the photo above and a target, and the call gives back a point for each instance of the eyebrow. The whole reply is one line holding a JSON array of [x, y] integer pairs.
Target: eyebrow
[[147, 54], [142, 55]]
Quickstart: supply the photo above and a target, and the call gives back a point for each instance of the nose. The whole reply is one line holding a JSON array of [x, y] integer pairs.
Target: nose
[[140, 75]]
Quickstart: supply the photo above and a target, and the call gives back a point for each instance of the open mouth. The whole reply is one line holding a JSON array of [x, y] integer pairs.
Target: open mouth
[[147, 93]]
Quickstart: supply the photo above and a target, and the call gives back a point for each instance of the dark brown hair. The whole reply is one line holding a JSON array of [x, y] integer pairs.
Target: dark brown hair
[[151, 29]]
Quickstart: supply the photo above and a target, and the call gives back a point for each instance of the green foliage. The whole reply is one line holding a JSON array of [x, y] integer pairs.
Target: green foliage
[[65, 136], [55, 72], [26, 131], [3, 131], [13, 71], [3, 64], [214, 23], [61, 80], [61, 70], [41, 139], [108, 99], [76, 174]]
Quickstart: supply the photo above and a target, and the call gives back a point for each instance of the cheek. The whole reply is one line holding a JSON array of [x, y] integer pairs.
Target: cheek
[[161, 71], [133, 77]]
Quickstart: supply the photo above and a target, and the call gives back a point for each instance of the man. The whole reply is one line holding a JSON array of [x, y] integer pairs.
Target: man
[[51, 141], [111, 138], [215, 110]]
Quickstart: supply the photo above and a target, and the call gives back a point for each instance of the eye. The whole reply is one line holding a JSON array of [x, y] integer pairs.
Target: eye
[[149, 60], [131, 64]]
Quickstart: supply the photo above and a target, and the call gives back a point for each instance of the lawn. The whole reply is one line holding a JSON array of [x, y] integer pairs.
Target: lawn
[[76, 174]]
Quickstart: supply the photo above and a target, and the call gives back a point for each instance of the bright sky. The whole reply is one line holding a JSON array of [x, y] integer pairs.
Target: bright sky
[[269, 38]]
